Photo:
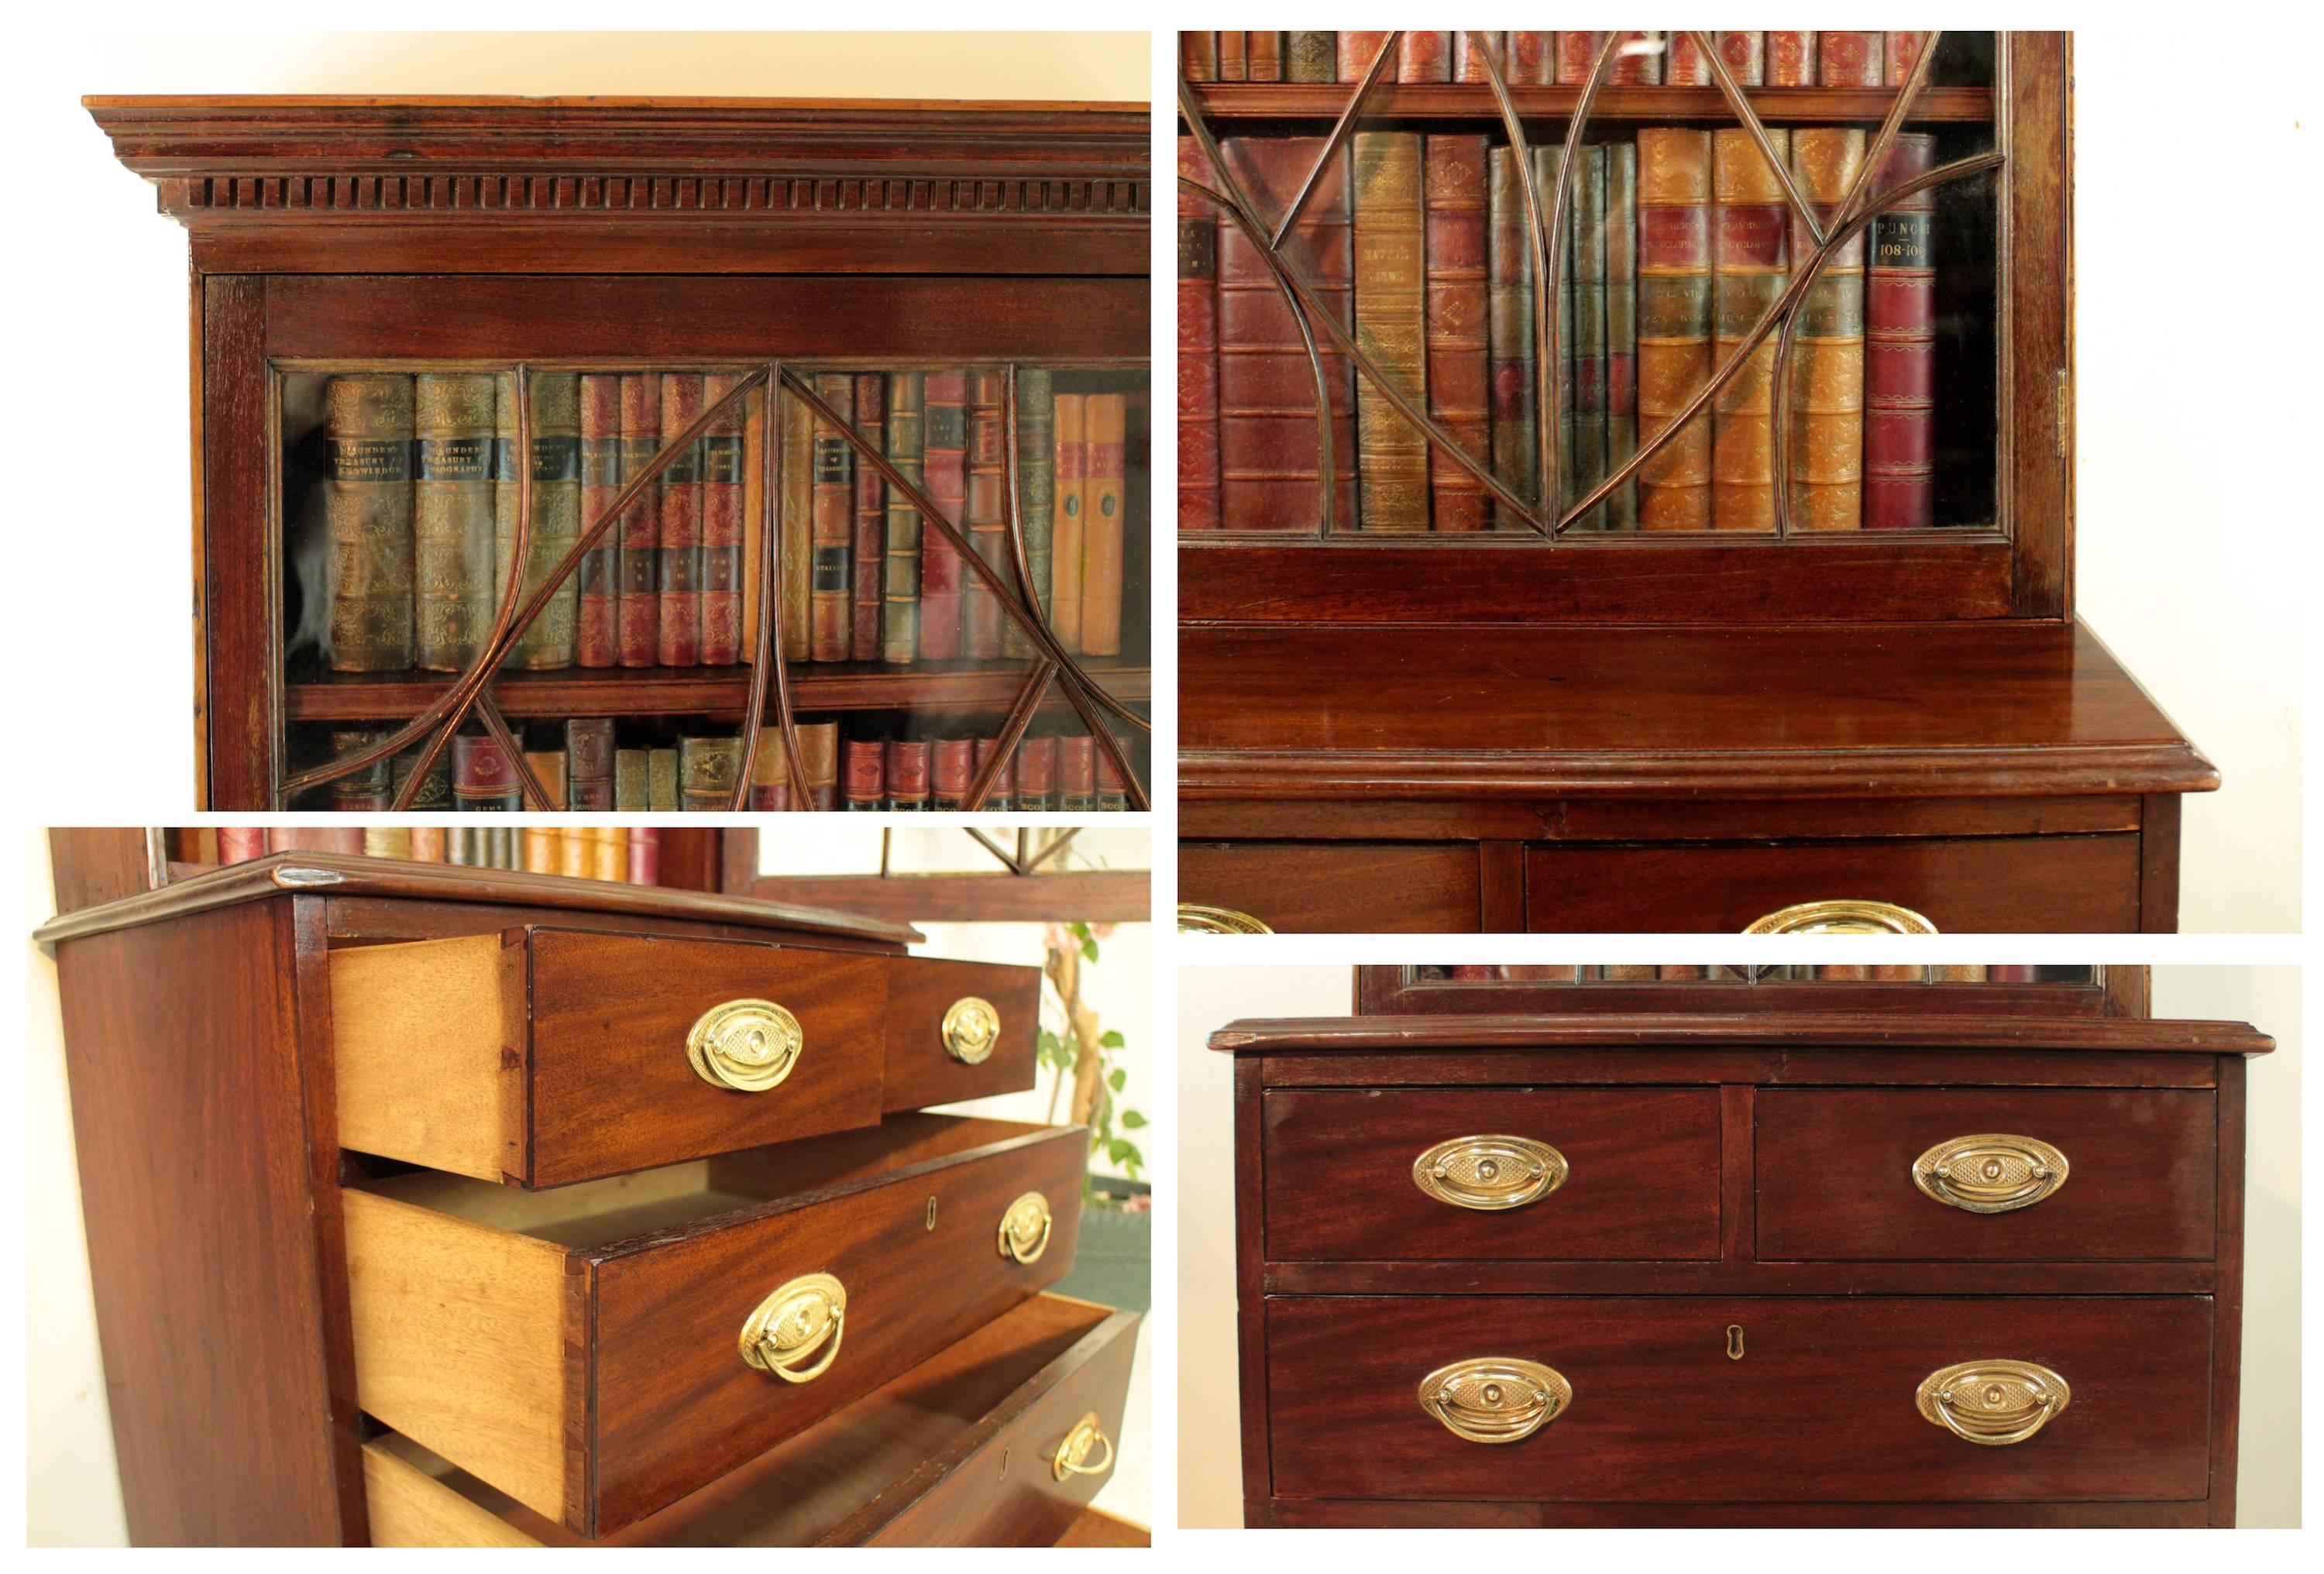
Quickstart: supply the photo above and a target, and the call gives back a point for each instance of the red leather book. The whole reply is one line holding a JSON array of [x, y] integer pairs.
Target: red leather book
[[240, 845], [952, 765], [1037, 774], [428, 844], [723, 464], [1269, 455], [1458, 391], [1358, 50], [1621, 328], [452, 516], [987, 514], [829, 612], [1745, 57], [483, 777], [645, 855], [1468, 57], [589, 764], [1684, 65], [677, 640], [1900, 349], [1309, 57], [368, 503], [637, 609], [1111, 798], [1106, 427], [1791, 60], [943, 396], [1750, 260], [864, 785], [1425, 57], [1637, 59], [1509, 342], [907, 774], [313, 839], [1674, 324], [770, 773], [1076, 774], [1198, 350], [871, 541], [1576, 54], [796, 528], [1901, 54], [1848, 59], [1003, 794], [1531, 61], [1234, 57], [1263, 57], [1826, 414], [1391, 322], [1198, 56]]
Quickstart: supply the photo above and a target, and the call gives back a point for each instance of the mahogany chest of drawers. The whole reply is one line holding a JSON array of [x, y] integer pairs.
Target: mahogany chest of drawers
[[1747, 1268], [431, 1205]]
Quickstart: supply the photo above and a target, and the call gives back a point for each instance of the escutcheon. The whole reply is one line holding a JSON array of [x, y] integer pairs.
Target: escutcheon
[[746, 1045], [1489, 1174], [1992, 1402], [795, 1333], [1495, 1399], [1993, 1172], [971, 1030], [1024, 1229]]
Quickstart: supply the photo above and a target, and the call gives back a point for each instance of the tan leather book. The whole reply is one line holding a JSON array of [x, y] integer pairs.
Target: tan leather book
[[452, 516], [574, 856], [1459, 399], [1750, 261], [549, 765], [367, 508], [544, 849], [1066, 542], [706, 768], [820, 756], [771, 772], [1674, 324], [386, 842], [798, 530], [1391, 328], [1107, 418], [1827, 413], [609, 853]]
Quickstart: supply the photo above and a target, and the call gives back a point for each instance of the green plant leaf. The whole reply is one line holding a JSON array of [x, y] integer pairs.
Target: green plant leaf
[[1118, 1077], [1089, 950], [1131, 1119], [1125, 1153], [1113, 1039]]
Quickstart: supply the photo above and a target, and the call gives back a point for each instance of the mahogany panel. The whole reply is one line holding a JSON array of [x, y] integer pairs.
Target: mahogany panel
[[1774, 1067], [237, 596], [1735, 1277], [1337, 887], [919, 1071], [1321, 1512], [1394, 819], [1644, 1181], [1834, 1171]]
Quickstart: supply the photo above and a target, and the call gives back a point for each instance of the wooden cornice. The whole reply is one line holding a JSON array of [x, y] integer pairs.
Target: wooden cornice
[[1690, 1030]]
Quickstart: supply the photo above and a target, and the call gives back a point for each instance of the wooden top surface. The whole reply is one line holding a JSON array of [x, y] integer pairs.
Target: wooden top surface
[[2005, 708], [340, 874], [1693, 1030]]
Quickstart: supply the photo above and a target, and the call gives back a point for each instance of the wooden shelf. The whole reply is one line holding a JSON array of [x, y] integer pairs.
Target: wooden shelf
[[707, 691], [1323, 101]]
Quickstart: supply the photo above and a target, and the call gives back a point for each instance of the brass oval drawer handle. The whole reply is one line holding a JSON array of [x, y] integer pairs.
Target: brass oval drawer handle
[[790, 1326], [1495, 1399], [1072, 1458], [1024, 1229], [746, 1045], [1993, 1403], [1489, 1174], [1993, 1172], [971, 1030], [1843, 918], [1193, 919]]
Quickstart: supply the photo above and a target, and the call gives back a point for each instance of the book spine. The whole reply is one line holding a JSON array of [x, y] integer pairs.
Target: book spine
[[543, 850], [367, 504], [661, 780], [751, 554], [1425, 57], [1675, 323], [637, 556], [1110, 797], [770, 773], [1035, 788], [589, 764], [1198, 353], [483, 777], [595, 631], [630, 771], [1685, 64], [1827, 442], [834, 522], [550, 642], [1106, 418], [1001, 797], [1076, 774], [1621, 328], [1072, 469], [1900, 51], [1037, 492], [797, 531], [1263, 54], [870, 543], [452, 516], [1391, 315], [1460, 399], [1900, 349], [1469, 54], [609, 853], [1848, 59], [645, 855], [1791, 60], [368, 790], [1531, 61], [945, 456], [1745, 57], [240, 845], [706, 769], [907, 775], [428, 844], [1637, 61], [1234, 57], [1586, 344], [1576, 54], [1198, 56], [313, 839], [386, 842], [951, 764], [1509, 311], [899, 590], [434, 791], [987, 515], [678, 578], [548, 769], [1750, 261], [724, 509], [1310, 57], [1358, 50], [864, 785]]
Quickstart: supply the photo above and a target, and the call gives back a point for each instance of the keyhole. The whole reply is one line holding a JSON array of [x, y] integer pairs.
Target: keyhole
[[932, 1213], [1734, 1341]]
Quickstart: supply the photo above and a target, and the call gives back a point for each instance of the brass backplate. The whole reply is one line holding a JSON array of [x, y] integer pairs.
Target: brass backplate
[[1992, 1172], [745, 1045], [1993, 1403], [1495, 1399], [1489, 1174]]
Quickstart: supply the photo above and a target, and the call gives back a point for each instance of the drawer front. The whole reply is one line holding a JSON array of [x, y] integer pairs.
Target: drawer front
[[612, 1088], [929, 1065], [1968, 884], [1639, 1168], [1836, 1174], [1338, 887], [1820, 1407]]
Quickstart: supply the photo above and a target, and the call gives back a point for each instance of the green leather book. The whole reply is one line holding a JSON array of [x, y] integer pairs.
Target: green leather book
[[630, 775], [662, 779], [452, 524], [706, 769], [556, 519], [1036, 491], [367, 506]]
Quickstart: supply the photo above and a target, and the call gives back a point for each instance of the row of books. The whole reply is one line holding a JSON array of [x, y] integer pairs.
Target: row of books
[[420, 495], [580, 767], [1678, 242], [628, 855], [1789, 972], [1755, 60]]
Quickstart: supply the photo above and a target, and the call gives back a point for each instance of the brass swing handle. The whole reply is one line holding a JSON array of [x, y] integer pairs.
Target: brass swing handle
[[747, 1046], [1992, 1172], [1495, 1399], [784, 1335], [1841, 917], [1024, 1233], [1194, 919], [1992, 1402], [1489, 1174], [1072, 1458]]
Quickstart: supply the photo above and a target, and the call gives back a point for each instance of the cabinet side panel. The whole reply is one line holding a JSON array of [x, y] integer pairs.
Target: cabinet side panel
[[2228, 1301], [237, 668], [2038, 366], [1251, 1307]]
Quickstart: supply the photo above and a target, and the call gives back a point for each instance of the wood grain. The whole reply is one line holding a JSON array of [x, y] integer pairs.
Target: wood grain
[[1374, 1035], [411, 1506], [429, 1044], [919, 1071], [1337, 887]]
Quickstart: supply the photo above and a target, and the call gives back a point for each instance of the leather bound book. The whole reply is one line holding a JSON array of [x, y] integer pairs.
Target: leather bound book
[[452, 516], [1900, 349], [1637, 61], [609, 851], [1458, 391], [1268, 454], [870, 543], [1198, 352], [770, 773], [500, 844], [1071, 448], [1900, 51], [907, 773], [944, 454], [1684, 65], [543, 850], [589, 764], [835, 523], [723, 508], [631, 790], [549, 643], [1310, 57], [1509, 347], [1076, 774], [1035, 787], [1531, 61], [1576, 54], [460, 846], [1107, 428], [864, 783], [428, 844], [637, 558], [677, 576], [548, 769], [1111, 798], [1001, 796], [1675, 323], [706, 769], [1750, 227], [1849, 59], [1585, 340], [1827, 440], [1198, 56], [645, 855], [1791, 60], [367, 427], [483, 777], [1746, 55], [595, 631], [2012, 973], [1263, 57], [434, 789], [315, 839], [818, 744], [751, 557], [1621, 328], [240, 845], [368, 791], [1391, 316], [387, 841], [1234, 57], [1037, 493], [1425, 57], [797, 528], [952, 765], [1469, 54], [661, 780], [1558, 490], [1358, 50], [987, 520], [899, 584]]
